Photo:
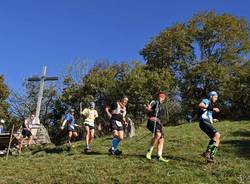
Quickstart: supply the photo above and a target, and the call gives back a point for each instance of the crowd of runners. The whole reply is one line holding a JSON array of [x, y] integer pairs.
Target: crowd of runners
[[117, 112]]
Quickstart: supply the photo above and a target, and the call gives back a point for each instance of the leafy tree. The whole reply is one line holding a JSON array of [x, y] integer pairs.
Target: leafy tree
[[142, 84], [4, 93], [202, 54], [22, 104]]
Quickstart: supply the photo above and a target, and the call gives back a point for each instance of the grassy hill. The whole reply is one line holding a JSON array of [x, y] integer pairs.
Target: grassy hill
[[184, 143]]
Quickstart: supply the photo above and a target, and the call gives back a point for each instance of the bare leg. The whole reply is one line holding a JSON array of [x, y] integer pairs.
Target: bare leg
[[92, 135], [87, 135], [21, 144], [70, 136], [154, 141], [30, 140], [121, 135], [160, 146], [217, 139]]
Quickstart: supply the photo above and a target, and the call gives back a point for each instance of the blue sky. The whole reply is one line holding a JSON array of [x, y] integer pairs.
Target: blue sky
[[58, 32]]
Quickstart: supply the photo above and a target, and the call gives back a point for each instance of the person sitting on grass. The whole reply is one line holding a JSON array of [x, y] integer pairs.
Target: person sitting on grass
[[69, 120], [206, 109], [26, 132], [89, 123]]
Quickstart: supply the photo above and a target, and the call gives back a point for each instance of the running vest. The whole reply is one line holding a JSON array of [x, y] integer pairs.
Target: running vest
[[118, 111], [155, 106], [206, 114]]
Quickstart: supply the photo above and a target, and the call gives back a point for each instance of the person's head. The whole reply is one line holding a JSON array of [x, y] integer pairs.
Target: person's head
[[92, 105], [124, 100], [32, 115], [213, 96], [161, 97], [72, 111]]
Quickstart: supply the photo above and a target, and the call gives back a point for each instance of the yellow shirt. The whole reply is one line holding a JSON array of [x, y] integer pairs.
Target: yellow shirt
[[91, 115]]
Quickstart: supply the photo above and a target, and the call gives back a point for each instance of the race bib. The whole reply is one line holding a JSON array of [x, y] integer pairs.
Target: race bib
[[118, 123]]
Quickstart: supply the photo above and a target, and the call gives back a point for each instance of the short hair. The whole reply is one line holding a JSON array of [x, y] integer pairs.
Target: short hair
[[124, 96]]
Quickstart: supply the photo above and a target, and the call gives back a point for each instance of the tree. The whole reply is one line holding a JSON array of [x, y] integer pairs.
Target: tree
[[237, 93], [202, 54], [22, 104], [141, 84], [4, 93]]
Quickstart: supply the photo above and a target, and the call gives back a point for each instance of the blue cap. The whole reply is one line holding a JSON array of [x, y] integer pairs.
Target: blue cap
[[212, 93]]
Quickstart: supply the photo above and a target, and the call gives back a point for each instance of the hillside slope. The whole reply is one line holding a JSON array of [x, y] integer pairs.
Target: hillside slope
[[183, 146]]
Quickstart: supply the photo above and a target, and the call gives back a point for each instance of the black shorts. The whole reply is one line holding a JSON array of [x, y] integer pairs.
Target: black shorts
[[158, 127], [90, 127], [116, 125], [208, 128], [26, 133], [71, 129]]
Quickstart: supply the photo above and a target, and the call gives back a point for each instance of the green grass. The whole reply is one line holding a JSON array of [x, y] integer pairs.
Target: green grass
[[183, 145]]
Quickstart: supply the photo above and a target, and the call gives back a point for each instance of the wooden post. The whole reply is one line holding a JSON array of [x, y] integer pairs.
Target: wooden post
[[10, 141]]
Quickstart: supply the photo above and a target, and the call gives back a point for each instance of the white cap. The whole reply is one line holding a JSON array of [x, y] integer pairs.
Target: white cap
[[2, 121]]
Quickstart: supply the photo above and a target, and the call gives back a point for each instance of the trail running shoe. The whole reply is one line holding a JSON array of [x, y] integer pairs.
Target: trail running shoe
[[114, 152], [118, 152], [86, 150], [111, 151], [148, 155], [207, 156], [163, 159]]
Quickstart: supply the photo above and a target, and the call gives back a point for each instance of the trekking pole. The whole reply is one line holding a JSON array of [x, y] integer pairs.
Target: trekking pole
[[10, 141], [141, 138], [156, 114]]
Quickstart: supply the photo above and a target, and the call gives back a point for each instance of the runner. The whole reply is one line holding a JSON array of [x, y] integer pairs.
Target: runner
[[89, 123], [206, 109], [26, 132], [154, 112], [117, 112], [69, 120]]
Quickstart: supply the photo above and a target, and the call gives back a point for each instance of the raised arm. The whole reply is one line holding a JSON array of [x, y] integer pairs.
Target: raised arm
[[64, 122]]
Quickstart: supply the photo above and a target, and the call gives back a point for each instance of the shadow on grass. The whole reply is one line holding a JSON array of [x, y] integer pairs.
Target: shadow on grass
[[241, 133], [58, 150], [193, 161], [94, 153], [169, 157], [55, 150], [241, 147]]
